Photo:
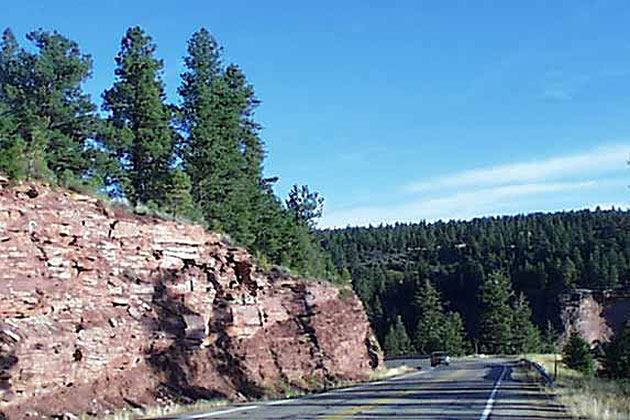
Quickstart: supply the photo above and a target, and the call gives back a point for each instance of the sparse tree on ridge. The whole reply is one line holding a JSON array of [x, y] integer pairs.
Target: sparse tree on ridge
[[305, 206], [201, 160]]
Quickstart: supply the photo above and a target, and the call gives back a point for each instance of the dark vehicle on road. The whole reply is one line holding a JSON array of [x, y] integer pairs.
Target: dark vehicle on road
[[440, 358]]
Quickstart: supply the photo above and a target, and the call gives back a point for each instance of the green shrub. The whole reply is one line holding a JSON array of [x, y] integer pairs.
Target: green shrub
[[12, 162], [577, 355], [617, 354]]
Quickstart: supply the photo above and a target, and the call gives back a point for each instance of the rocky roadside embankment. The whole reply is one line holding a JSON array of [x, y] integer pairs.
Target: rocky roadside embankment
[[102, 310]]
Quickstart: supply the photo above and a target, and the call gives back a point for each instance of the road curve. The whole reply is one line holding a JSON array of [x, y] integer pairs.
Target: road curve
[[479, 389]]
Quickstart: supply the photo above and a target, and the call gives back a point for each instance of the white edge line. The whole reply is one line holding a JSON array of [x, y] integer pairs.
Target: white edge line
[[490, 403], [279, 402], [288, 400], [218, 413]]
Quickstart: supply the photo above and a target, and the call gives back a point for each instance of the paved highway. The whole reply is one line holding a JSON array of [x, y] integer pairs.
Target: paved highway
[[480, 389]]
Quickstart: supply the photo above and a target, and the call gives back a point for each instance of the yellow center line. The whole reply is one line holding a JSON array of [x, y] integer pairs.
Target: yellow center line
[[383, 401]]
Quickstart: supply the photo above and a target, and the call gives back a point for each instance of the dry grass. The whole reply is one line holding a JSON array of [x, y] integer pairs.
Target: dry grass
[[381, 374], [587, 397], [163, 411]]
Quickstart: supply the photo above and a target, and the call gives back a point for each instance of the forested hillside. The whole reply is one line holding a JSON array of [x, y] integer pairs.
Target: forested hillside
[[542, 255], [199, 158]]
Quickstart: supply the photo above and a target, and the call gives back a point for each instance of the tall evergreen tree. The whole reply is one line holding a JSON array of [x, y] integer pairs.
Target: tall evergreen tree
[[47, 121], [431, 321], [525, 335], [215, 104], [576, 354], [496, 314], [617, 354], [455, 335], [246, 199], [12, 147], [140, 131], [397, 341]]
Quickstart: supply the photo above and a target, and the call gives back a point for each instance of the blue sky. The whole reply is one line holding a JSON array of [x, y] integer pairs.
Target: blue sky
[[405, 110]]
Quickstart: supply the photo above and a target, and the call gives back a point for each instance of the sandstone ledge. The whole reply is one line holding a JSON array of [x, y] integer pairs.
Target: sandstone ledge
[[102, 310]]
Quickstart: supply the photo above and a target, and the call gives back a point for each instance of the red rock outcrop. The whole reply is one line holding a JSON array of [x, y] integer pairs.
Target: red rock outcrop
[[101, 310], [583, 314], [596, 315]]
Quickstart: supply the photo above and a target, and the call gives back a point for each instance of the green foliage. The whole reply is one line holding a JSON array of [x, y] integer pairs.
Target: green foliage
[[223, 155], [435, 329], [214, 103], [208, 169], [139, 132], [617, 354], [496, 314], [430, 321], [543, 255], [46, 120], [12, 162], [397, 341], [525, 335], [550, 339], [576, 354], [305, 206], [455, 335], [177, 198]]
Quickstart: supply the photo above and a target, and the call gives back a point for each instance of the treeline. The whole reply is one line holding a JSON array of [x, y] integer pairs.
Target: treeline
[[200, 159], [535, 257]]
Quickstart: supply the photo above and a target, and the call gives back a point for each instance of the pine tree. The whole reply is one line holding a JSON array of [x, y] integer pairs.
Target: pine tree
[[550, 338], [430, 319], [397, 340], [525, 335], [576, 354], [177, 199], [12, 162], [140, 132], [305, 206], [216, 117], [47, 120], [246, 199], [454, 341], [496, 314], [617, 354], [569, 273], [12, 147]]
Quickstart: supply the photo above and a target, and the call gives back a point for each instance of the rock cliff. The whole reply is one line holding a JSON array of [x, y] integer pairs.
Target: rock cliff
[[101, 310], [596, 315]]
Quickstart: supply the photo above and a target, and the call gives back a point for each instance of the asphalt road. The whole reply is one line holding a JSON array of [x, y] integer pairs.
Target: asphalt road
[[481, 389]]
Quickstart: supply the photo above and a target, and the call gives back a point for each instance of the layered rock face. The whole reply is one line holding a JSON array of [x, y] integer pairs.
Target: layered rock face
[[102, 310], [596, 315]]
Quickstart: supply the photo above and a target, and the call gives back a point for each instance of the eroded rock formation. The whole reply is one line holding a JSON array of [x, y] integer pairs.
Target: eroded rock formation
[[596, 315], [101, 310]]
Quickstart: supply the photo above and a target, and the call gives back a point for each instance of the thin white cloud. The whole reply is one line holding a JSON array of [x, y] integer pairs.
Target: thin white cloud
[[597, 161], [459, 205]]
